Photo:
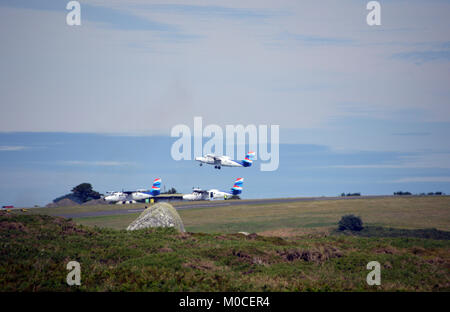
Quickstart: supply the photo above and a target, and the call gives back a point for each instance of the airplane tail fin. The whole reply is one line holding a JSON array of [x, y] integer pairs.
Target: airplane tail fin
[[156, 187], [237, 187], [248, 160]]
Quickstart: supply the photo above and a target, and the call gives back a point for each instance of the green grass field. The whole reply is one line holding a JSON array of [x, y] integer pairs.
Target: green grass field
[[409, 213], [297, 248], [35, 250]]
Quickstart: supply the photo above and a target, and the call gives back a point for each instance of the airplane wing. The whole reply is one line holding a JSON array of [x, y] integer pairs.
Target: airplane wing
[[217, 159], [200, 191], [213, 156]]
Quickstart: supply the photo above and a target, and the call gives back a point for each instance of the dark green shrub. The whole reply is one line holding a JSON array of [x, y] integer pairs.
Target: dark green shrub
[[351, 223]]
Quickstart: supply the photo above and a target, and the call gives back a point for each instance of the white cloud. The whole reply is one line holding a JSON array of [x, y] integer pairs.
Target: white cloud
[[439, 161], [7, 148], [103, 80], [96, 163], [421, 179]]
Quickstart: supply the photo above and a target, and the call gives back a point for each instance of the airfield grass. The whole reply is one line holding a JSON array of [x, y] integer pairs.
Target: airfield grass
[[35, 249], [397, 212]]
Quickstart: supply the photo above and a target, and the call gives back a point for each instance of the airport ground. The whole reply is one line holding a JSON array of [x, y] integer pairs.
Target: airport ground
[[296, 248], [277, 215]]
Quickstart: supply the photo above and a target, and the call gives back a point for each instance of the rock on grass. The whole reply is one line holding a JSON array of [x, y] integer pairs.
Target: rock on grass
[[158, 215]]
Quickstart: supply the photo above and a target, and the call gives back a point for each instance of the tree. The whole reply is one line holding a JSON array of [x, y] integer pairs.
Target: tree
[[350, 222], [402, 193], [84, 192], [171, 191]]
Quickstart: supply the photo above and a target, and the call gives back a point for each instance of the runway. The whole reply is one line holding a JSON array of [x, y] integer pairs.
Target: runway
[[216, 203]]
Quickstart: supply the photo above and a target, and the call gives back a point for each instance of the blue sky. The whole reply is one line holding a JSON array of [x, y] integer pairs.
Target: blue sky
[[360, 108], [37, 167]]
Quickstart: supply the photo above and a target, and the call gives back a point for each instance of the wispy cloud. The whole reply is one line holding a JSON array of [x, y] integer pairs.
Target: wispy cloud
[[442, 45], [313, 39], [10, 148], [412, 133], [96, 163], [123, 20], [440, 161], [371, 166], [421, 179], [424, 56], [111, 17], [213, 11]]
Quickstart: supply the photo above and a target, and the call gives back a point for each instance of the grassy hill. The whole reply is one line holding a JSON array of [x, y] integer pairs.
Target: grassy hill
[[34, 251]]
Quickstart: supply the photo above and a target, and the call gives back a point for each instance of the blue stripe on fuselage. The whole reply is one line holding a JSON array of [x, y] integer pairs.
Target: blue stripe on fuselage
[[244, 163]]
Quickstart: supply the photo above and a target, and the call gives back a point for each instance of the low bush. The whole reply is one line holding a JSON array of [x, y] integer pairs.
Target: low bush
[[350, 223]]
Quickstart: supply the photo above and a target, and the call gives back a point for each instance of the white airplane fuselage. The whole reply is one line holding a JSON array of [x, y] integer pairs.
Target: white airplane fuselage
[[133, 196], [212, 194], [218, 161], [115, 197], [140, 196], [215, 194], [124, 197], [195, 196]]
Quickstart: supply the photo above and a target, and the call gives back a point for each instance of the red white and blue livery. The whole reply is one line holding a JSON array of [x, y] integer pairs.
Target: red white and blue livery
[[126, 197], [214, 194]]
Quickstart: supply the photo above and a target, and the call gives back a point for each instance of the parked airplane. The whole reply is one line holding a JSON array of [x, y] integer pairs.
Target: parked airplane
[[226, 161], [134, 196], [213, 194]]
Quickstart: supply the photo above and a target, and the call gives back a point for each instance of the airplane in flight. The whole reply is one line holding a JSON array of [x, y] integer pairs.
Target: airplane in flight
[[129, 197], [226, 161], [214, 194]]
